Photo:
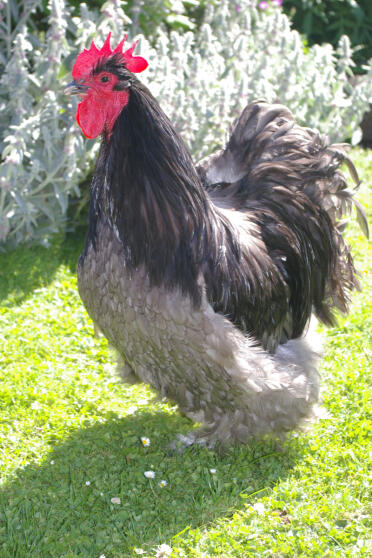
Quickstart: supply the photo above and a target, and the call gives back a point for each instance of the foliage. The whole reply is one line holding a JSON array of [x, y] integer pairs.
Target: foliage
[[202, 78], [325, 21], [43, 155], [70, 440], [147, 16]]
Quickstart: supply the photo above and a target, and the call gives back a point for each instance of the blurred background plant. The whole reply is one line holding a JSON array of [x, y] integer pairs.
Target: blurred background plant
[[327, 20], [207, 61]]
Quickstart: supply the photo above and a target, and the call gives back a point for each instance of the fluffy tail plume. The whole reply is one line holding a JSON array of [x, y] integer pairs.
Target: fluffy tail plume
[[271, 165]]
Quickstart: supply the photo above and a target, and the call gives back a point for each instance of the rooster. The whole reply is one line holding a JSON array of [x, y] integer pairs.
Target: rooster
[[204, 277]]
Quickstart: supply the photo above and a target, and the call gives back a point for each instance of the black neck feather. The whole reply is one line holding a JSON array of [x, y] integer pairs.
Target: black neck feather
[[146, 187]]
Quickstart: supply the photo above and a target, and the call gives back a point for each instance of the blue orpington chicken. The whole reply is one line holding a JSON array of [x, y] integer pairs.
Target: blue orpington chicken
[[204, 277]]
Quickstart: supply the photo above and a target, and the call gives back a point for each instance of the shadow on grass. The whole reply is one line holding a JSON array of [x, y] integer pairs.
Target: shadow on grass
[[63, 508], [29, 267]]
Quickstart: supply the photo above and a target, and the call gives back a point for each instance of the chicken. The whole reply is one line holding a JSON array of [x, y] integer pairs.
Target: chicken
[[204, 278]]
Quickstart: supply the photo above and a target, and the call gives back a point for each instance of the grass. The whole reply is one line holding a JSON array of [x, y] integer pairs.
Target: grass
[[71, 441]]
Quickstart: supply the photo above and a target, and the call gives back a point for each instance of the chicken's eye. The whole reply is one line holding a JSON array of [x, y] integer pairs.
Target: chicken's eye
[[104, 79]]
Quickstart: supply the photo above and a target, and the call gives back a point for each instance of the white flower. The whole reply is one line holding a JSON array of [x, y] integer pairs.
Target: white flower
[[145, 441], [149, 474], [139, 551], [115, 501], [52, 462], [163, 483], [213, 471], [259, 508], [87, 483], [163, 550]]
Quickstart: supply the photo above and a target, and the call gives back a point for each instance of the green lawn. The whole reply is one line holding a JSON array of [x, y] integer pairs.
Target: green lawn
[[71, 440]]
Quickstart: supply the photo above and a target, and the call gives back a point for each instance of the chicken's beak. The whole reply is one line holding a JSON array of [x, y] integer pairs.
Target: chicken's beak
[[75, 88]]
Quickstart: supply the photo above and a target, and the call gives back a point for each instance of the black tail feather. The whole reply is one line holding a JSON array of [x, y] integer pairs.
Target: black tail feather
[[288, 181]]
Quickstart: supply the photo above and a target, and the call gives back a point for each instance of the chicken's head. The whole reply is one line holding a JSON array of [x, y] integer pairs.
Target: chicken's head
[[102, 80]]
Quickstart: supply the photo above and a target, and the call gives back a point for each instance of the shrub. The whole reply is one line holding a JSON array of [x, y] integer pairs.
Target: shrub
[[43, 155], [202, 79], [326, 21]]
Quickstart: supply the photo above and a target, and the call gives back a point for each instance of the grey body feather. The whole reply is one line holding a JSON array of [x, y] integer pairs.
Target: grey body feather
[[196, 357]]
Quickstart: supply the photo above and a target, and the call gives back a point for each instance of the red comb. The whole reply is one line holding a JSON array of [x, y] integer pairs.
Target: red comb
[[88, 59]]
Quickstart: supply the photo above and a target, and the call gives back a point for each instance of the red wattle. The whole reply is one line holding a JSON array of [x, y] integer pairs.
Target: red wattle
[[96, 113], [91, 117]]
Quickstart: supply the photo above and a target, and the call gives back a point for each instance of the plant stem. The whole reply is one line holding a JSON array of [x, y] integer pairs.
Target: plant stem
[[9, 29]]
